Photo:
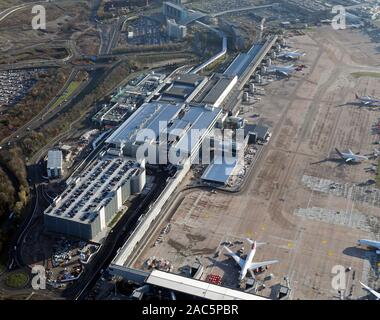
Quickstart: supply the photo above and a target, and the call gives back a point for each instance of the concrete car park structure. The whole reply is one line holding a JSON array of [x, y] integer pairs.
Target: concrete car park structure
[[92, 199]]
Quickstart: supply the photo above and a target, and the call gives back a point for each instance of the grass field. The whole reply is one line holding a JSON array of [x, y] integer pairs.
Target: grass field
[[17, 280], [67, 94], [365, 74]]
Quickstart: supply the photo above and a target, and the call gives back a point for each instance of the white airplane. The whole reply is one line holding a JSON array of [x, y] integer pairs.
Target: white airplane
[[292, 55], [282, 70], [375, 293], [368, 101], [370, 243], [247, 264], [350, 156]]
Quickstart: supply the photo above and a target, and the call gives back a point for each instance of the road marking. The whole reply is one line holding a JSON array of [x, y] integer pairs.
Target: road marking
[[29, 296]]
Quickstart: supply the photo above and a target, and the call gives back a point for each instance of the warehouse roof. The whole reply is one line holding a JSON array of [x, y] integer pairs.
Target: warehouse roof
[[149, 116], [220, 172], [197, 288], [189, 79], [178, 91], [216, 91], [242, 61]]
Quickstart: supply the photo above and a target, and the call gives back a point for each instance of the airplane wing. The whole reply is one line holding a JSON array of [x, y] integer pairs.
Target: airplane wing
[[376, 294], [255, 265], [283, 73], [350, 151], [349, 159], [238, 260]]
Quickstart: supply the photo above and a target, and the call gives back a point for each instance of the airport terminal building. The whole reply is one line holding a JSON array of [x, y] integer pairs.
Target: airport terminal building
[[164, 128]]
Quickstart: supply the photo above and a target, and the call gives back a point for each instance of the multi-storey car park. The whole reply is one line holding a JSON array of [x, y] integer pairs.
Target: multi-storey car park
[[91, 200]]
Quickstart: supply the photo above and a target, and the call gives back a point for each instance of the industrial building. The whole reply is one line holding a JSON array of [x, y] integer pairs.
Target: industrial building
[[92, 199], [167, 129], [54, 164]]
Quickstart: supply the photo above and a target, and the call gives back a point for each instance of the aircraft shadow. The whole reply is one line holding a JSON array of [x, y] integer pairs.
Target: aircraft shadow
[[362, 253], [338, 161]]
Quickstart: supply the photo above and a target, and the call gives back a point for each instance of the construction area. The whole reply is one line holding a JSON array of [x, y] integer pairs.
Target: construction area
[[301, 199]]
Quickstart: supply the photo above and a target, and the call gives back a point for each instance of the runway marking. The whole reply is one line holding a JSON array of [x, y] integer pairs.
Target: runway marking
[[290, 245], [330, 253], [263, 227], [324, 241]]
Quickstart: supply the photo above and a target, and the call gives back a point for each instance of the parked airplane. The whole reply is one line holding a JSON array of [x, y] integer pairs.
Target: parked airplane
[[368, 101], [247, 264], [282, 70], [370, 243], [375, 293], [291, 55], [350, 156]]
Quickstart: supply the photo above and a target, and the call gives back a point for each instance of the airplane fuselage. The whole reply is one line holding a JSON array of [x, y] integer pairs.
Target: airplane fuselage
[[248, 262], [354, 158], [351, 157], [371, 244], [368, 101]]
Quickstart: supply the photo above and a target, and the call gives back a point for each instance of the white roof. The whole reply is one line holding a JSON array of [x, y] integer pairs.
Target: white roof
[[54, 159], [197, 288]]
